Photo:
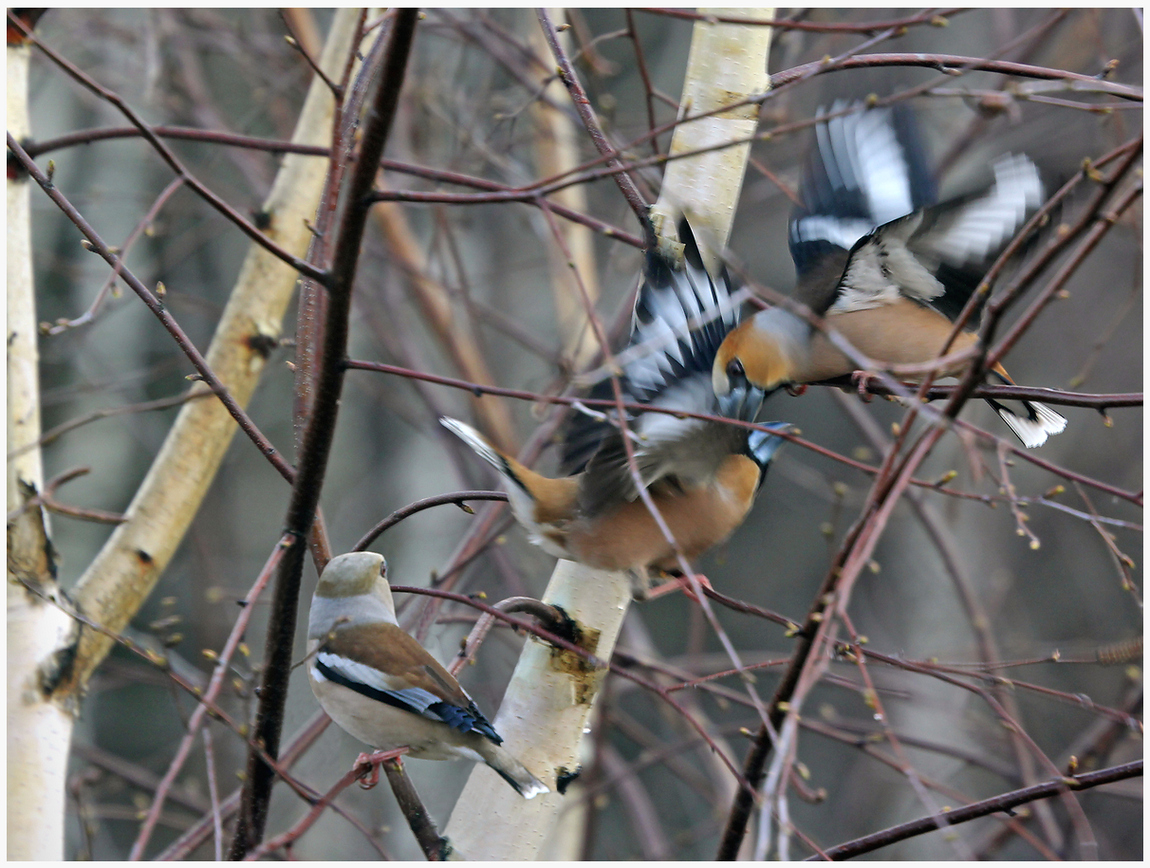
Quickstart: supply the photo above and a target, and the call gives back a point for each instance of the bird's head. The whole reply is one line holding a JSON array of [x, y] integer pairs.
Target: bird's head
[[353, 587], [751, 357], [353, 574]]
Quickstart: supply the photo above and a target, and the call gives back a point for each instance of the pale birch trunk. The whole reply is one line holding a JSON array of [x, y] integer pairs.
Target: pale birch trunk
[[127, 568], [727, 65], [545, 710], [47, 667], [39, 634]]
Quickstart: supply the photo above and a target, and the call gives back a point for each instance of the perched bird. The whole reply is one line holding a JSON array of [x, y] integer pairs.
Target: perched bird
[[888, 268], [382, 686], [702, 475]]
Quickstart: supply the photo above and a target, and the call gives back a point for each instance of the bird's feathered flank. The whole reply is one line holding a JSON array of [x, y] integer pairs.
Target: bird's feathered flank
[[380, 685]]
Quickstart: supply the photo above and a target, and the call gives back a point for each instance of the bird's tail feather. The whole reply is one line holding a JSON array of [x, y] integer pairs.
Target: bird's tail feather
[[500, 761], [1033, 425], [483, 449], [1031, 422]]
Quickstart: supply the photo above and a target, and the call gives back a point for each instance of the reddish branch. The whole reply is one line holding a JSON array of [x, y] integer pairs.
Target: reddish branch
[[494, 191], [183, 846], [1004, 803], [223, 667], [982, 391], [169, 157], [955, 63], [932, 18], [47, 499], [320, 430], [143, 407], [459, 498], [319, 805], [194, 690], [594, 131], [434, 847], [146, 221]]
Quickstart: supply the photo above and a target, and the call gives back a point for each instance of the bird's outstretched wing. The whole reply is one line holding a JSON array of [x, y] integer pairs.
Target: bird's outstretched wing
[[682, 313], [867, 189], [867, 168]]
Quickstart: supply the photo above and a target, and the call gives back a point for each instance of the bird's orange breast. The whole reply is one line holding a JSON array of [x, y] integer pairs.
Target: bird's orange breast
[[630, 538], [897, 334]]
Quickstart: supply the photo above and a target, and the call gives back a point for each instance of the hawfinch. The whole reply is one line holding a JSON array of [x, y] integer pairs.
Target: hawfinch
[[381, 686], [887, 267], [701, 475]]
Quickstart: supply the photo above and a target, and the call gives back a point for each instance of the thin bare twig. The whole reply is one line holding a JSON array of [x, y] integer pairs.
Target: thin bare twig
[[1005, 802], [166, 154], [156, 307], [594, 131]]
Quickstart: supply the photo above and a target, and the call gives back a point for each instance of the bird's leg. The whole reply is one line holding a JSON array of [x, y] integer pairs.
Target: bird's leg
[[640, 584], [679, 582], [862, 381], [369, 777]]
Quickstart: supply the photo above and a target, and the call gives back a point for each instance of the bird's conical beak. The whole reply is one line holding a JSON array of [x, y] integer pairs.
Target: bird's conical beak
[[742, 402]]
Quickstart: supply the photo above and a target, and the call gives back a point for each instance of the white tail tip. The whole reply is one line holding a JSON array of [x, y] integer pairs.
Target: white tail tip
[[1033, 432], [475, 440]]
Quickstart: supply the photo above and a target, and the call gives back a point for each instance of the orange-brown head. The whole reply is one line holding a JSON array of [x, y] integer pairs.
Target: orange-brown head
[[761, 352]]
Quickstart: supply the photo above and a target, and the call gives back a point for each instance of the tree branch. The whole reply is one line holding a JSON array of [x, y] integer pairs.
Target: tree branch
[[317, 439], [1004, 803]]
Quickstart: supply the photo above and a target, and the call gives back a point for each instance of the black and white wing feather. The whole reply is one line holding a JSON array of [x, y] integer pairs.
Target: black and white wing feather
[[374, 684], [868, 189], [938, 256], [867, 168], [681, 316]]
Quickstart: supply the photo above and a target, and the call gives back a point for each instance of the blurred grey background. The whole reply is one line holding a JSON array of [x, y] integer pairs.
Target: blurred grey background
[[467, 108]]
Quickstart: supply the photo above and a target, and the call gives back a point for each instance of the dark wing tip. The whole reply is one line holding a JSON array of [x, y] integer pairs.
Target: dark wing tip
[[468, 719]]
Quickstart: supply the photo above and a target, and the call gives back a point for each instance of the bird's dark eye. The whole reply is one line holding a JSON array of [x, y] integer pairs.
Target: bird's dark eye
[[735, 370]]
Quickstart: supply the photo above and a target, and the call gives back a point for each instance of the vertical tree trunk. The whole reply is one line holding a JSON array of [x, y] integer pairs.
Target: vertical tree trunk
[[39, 726], [726, 65], [127, 568], [47, 665], [545, 710]]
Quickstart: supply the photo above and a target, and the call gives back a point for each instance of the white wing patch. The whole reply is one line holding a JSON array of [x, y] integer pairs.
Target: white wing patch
[[986, 223], [882, 269], [883, 172], [416, 698], [359, 672], [694, 395], [836, 230]]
